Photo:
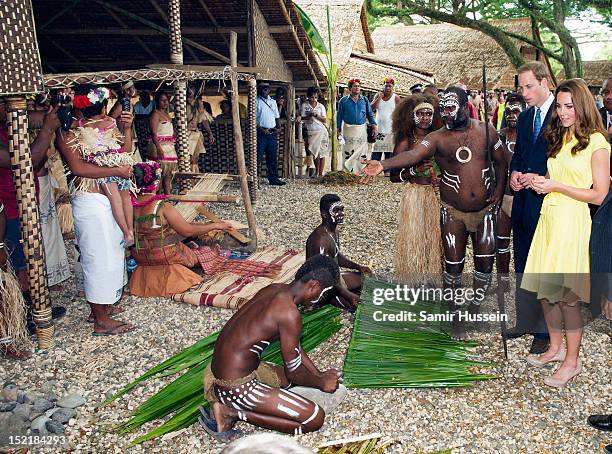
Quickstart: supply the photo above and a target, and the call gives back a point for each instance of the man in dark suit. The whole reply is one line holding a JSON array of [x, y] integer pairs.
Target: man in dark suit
[[528, 161], [606, 110], [601, 282]]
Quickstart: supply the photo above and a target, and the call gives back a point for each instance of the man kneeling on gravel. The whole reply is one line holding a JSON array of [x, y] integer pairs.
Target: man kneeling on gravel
[[239, 386]]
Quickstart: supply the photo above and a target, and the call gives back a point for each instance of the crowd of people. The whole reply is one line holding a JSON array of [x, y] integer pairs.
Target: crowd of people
[[527, 174]]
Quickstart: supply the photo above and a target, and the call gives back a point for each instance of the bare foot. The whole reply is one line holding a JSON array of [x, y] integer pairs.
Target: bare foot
[[224, 416], [550, 354], [112, 326], [113, 310]]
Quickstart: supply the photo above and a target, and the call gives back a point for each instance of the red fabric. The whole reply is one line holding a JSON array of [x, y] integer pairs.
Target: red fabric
[[473, 111], [8, 196], [212, 263]]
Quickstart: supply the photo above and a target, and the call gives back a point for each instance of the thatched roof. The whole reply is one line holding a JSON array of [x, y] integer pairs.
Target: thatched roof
[[132, 34], [595, 72], [454, 53], [349, 26], [372, 70]]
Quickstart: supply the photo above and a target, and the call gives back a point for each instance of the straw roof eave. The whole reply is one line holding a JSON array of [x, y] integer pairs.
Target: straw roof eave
[[452, 53]]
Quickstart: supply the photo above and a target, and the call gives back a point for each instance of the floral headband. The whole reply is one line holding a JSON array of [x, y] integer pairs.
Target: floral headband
[[354, 81], [151, 171], [95, 96], [389, 80]]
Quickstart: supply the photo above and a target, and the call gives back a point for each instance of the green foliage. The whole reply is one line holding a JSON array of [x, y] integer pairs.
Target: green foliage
[[315, 38], [185, 395], [472, 14], [407, 354]]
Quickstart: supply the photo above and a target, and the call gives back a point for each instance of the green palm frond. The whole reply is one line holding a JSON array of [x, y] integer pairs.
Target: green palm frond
[[315, 38], [184, 395], [407, 354]]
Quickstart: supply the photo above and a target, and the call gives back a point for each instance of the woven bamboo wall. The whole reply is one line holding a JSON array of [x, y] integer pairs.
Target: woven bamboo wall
[[20, 70], [220, 157], [269, 57]]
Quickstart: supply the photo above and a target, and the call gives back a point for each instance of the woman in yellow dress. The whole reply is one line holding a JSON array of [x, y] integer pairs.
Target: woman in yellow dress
[[558, 262]]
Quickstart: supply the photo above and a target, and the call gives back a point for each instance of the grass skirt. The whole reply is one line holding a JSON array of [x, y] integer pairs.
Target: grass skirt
[[12, 311], [418, 247]]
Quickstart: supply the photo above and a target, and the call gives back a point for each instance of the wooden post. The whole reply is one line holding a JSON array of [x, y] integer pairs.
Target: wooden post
[[238, 145], [251, 123], [23, 178], [180, 90]]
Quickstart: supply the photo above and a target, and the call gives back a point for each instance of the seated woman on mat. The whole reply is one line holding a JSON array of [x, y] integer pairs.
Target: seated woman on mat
[[162, 257]]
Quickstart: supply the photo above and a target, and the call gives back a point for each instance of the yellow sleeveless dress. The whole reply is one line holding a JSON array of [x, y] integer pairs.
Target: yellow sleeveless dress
[[558, 262]]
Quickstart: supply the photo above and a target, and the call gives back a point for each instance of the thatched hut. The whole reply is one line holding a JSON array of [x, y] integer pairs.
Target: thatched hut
[[455, 54], [271, 44], [353, 47], [595, 72], [167, 42]]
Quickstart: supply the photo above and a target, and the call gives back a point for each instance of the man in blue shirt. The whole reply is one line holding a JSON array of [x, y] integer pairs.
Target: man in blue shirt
[[353, 110], [267, 133]]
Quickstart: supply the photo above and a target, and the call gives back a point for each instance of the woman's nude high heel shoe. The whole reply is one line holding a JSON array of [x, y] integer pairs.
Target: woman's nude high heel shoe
[[535, 360], [560, 383]]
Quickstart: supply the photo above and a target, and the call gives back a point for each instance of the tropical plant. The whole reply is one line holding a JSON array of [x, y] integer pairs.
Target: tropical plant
[[550, 34], [185, 395], [326, 58], [405, 354]]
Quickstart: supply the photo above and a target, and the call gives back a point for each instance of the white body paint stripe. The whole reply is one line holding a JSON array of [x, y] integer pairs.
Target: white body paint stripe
[[288, 411], [314, 414]]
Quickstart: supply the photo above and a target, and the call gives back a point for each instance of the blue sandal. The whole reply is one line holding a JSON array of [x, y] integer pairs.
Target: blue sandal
[[210, 426]]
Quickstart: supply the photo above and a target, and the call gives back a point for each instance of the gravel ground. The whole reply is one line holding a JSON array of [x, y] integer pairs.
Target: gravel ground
[[515, 413]]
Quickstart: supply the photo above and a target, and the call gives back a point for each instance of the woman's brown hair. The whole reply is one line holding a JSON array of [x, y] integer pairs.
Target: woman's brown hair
[[403, 116], [588, 120]]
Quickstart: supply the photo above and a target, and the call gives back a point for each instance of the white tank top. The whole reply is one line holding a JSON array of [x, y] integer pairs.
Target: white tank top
[[384, 112]]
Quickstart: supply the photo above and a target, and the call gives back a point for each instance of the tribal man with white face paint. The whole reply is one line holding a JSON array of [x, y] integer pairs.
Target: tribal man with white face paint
[[325, 240], [239, 386], [515, 105], [468, 197]]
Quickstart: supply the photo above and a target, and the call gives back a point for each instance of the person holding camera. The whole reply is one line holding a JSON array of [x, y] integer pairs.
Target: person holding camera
[[314, 117], [8, 197]]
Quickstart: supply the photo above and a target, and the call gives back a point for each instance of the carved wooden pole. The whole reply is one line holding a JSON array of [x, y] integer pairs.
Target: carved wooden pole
[[180, 88], [251, 124], [238, 145], [23, 177]]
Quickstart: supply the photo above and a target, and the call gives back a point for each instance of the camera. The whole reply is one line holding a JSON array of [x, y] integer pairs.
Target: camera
[[125, 105]]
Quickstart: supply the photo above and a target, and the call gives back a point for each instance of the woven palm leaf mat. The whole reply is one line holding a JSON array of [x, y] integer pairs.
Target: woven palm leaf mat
[[405, 354], [227, 290]]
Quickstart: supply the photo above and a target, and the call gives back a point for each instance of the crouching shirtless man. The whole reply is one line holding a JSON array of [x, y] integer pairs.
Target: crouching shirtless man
[[468, 197], [239, 386], [325, 240]]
